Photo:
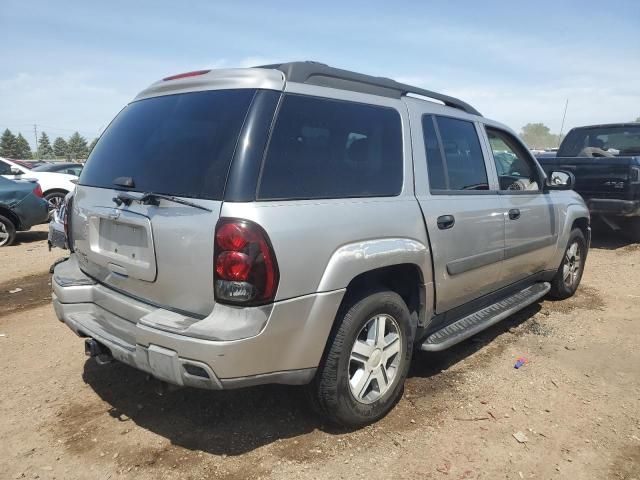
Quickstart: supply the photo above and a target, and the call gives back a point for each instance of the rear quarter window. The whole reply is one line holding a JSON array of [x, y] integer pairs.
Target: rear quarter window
[[178, 145], [323, 148]]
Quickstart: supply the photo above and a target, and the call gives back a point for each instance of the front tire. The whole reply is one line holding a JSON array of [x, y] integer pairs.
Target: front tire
[[567, 278], [364, 368], [7, 232]]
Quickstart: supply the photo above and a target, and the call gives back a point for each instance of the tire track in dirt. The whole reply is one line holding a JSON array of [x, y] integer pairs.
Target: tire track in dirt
[[35, 291]]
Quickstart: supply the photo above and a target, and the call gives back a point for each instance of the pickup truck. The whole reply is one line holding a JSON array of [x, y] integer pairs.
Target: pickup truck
[[605, 160]]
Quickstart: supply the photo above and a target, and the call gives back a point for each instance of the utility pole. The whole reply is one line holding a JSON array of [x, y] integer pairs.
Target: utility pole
[[564, 115], [35, 133]]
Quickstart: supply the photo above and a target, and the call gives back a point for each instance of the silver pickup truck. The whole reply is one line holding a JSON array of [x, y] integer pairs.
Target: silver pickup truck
[[301, 224]]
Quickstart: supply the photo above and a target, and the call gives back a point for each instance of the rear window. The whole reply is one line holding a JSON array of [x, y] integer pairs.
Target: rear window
[[178, 145], [323, 148], [602, 141]]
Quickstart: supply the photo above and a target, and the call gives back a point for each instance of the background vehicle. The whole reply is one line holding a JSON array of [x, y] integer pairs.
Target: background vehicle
[[54, 185], [21, 207], [57, 236], [69, 168], [29, 163], [325, 248], [605, 160]]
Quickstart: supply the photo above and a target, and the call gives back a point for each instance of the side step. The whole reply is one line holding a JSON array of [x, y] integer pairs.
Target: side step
[[476, 322]]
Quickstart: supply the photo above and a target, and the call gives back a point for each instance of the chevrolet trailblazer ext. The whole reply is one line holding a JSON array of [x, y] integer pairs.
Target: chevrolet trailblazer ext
[[302, 224]]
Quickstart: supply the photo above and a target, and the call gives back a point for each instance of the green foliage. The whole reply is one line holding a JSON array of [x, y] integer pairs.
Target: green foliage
[[60, 147], [23, 149], [638, 119], [93, 144], [77, 147], [538, 135], [8, 145], [44, 146]]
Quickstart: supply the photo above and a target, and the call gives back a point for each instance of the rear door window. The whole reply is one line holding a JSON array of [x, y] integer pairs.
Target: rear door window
[[454, 156], [178, 145], [323, 148]]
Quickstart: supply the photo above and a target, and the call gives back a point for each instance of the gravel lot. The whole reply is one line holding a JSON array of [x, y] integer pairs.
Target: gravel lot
[[576, 402]]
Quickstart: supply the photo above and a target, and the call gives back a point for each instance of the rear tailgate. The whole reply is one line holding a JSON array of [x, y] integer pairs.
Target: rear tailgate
[[602, 177], [159, 252]]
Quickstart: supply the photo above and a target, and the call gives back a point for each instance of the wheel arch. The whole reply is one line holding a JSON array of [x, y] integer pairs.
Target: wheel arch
[[5, 212]]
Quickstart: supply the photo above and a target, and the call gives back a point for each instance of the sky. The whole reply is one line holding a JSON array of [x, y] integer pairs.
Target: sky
[[72, 65]]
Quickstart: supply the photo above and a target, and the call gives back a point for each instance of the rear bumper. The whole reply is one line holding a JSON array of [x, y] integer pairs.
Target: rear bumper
[[286, 350], [625, 208]]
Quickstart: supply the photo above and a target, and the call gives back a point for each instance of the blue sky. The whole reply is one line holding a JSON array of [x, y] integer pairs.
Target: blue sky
[[72, 65]]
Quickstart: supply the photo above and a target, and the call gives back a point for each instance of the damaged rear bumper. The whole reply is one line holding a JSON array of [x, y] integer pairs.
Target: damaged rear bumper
[[285, 345]]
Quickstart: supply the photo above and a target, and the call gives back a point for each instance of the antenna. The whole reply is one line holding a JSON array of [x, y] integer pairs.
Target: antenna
[[564, 115]]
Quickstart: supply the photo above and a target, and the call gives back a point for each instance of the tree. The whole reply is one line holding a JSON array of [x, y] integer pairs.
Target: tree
[[638, 119], [60, 147], [23, 149], [44, 147], [77, 146], [93, 144], [8, 147], [538, 135]]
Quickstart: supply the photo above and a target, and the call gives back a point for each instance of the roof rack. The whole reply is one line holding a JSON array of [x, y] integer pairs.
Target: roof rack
[[315, 73]]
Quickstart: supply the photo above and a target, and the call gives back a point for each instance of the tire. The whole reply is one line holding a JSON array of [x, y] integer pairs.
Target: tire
[[567, 278], [55, 199], [362, 374], [631, 229], [7, 232]]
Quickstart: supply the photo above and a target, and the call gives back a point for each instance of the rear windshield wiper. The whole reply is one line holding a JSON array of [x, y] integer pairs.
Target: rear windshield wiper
[[149, 198]]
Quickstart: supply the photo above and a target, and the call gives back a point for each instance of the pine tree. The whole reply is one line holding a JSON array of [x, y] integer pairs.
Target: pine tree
[[23, 149], [77, 146], [8, 144], [92, 144], [60, 148], [44, 147]]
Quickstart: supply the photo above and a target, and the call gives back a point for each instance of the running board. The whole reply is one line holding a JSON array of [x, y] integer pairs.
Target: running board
[[476, 322]]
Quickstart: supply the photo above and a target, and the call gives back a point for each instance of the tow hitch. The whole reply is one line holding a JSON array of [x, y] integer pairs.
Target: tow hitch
[[95, 349]]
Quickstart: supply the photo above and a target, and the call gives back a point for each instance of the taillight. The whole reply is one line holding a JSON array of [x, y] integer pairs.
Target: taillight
[[246, 271], [186, 75], [38, 191], [66, 220]]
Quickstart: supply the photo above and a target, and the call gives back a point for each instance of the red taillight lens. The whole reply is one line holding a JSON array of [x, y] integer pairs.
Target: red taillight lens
[[187, 74], [38, 191], [246, 271]]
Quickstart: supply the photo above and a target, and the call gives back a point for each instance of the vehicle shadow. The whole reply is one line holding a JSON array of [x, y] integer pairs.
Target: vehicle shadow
[[603, 237], [30, 237], [238, 421]]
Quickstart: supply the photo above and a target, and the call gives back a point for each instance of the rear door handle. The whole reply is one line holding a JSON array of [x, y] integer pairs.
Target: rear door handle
[[445, 222], [514, 214]]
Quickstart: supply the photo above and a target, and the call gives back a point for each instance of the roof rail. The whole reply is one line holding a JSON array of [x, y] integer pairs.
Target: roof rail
[[315, 73]]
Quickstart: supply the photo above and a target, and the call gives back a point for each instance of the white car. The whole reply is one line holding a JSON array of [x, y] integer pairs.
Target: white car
[[54, 185]]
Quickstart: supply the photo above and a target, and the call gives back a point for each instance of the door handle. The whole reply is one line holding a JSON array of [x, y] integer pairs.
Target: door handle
[[445, 222], [514, 214]]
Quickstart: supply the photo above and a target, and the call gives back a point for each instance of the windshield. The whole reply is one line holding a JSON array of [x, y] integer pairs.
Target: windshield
[[178, 145], [615, 141]]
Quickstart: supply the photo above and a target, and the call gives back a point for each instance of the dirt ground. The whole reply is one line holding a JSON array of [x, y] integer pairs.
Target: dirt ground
[[576, 402]]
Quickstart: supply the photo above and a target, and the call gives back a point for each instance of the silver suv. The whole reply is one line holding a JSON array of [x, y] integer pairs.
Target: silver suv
[[301, 224]]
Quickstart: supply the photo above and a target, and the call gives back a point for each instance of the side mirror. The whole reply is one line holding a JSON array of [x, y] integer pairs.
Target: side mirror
[[560, 180], [15, 171]]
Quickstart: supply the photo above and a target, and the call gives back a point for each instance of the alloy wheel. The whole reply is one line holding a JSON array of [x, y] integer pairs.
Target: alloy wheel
[[375, 358], [4, 234], [572, 264]]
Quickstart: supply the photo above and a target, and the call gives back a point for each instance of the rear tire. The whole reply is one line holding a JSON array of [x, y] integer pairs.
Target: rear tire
[[567, 278], [631, 228], [362, 374], [55, 199], [7, 232]]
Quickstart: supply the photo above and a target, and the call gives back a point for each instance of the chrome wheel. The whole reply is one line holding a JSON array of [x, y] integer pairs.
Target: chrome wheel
[[375, 358], [572, 265], [4, 234]]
